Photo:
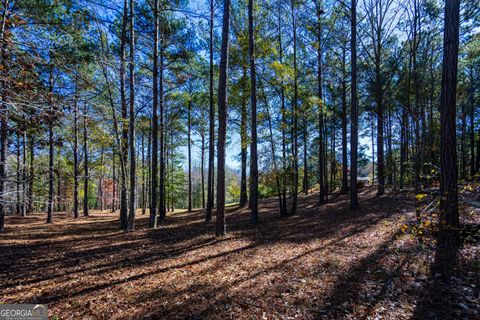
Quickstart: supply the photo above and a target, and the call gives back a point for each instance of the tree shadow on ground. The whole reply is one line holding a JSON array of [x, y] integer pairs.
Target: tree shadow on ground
[[451, 291], [106, 259]]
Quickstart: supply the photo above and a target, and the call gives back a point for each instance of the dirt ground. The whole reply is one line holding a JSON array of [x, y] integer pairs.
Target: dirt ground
[[326, 262]]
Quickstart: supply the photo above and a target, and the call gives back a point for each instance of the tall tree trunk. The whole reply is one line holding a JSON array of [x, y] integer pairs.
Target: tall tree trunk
[[380, 139], [244, 143], [283, 206], [58, 198], [449, 220], [253, 106], [333, 163], [4, 118], [344, 189], [162, 196], [202, 166], [295, 112], [100, 184], [18, 182], [372, 132], [114, 183], [321, 151], [305, 186], [463, 142], [418, 142], [390, 161], [85, 166], [189, 138], [50, 150], [272, 146], [403, 147], [144, 202], [24, 174], [124, 141], [472, 124], [131, 129], [31, 173], [75, 158], [211, 134], [354, 110], [477, 165], [220, 229], [149, 172], [154, 164]]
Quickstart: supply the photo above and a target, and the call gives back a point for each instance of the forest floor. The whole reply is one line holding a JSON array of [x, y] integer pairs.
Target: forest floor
[[326, 262]]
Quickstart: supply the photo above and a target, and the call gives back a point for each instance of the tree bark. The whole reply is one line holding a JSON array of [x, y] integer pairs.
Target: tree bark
[[18, 182], [253, 106], [114, 184], [295, 112], [243, 138], [124, 141], [283, 206], [131, 129], [473, 170], [220, 229], [31, 173], [321, 151], [3, 119], [75, 158], [354, 110], [154, 165], [85, 166], [305, 185], [50, 150], [202, 169], [344, 189], [24, 174], [449, 220], [162, 196], [189, 138], [211, 134]]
